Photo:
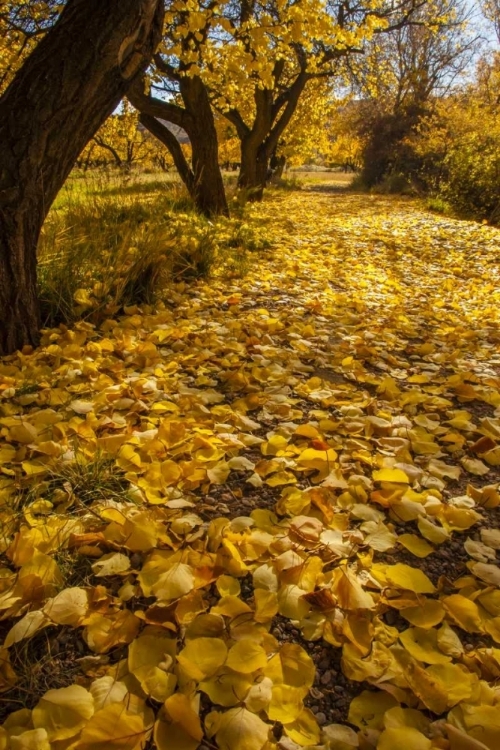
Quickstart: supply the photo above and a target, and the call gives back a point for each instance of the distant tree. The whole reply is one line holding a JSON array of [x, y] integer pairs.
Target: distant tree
[[404, 72]]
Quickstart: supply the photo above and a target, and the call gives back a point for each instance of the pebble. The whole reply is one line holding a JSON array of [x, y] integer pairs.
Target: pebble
[[326, 678], [321, 718]]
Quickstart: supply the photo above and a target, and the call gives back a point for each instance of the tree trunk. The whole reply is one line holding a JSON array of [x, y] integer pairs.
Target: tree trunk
[[165, 136], [254, 169], [67, 87], [204, 179], [209, 192]]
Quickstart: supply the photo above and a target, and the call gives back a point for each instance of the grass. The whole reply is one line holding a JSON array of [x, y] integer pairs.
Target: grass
[[109, 244], [78, 483], [438, 205]]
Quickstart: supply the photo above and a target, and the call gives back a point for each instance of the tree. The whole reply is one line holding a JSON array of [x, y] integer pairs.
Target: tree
[[259, 65], [121, 140], [400, 78], [491, 11], [185, 102], [190, 110], [458, 146], [69, 84], [22, 25]]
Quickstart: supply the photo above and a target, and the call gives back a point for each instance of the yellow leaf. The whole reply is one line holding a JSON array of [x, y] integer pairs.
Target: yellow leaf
[[69, 607], [281, 478], [259, 696], [103, 633], [286, 704], [228, 586], [311, 458], [110, 565], [430, 690], [415, 544], [291, 666], [34, 739], [464, 612], [405, 577], [181, 712], [202, 657], [64, 712], [456, 680], [408, 738], [81, 297], [128, 459], [348, 590], [266, 605], [398, 718], [23, 433], [238, 728], [462, 741], [423, 645], [487, 572], [304, 730], [428, 613], [176, 582], [27, 626], [106, 690], [474, 466], [246, 656], [227, 688], [291, 602], [113, 727], [368, 708], [431, 531], [340, 737], [150, 658], [396, 476]]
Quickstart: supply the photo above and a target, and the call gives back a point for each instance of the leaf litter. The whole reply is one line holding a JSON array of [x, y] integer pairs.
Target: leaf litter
[[264, 514]]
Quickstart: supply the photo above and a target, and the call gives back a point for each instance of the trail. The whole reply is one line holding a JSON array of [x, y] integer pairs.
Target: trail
[[265, 513]]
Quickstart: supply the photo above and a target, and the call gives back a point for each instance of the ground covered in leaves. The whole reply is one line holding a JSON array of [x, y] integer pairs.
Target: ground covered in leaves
[[264, 514]]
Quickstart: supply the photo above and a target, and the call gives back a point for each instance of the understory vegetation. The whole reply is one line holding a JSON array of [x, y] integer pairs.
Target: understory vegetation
[[108, 244]]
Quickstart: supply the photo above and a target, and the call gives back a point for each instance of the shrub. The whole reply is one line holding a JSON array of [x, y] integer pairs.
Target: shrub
[[103, 252]]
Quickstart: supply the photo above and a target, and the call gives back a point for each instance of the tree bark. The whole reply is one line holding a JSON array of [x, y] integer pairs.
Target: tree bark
[[204, 179], [67, 87], [258, 143], [254, 169]]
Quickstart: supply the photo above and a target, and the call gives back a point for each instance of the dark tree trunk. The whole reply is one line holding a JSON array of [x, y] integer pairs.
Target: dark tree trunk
[[260, 141], [67, 87], [165, 136], [114, 153], [203, 179], [209, 193], [254, 169]]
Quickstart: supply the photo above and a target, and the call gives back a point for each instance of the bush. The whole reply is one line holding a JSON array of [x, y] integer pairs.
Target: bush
[[459, 149]]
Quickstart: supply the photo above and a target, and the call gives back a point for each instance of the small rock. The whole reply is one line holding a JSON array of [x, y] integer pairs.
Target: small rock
[[391, 617], [321, 718], [326, 678], [136, 560]]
